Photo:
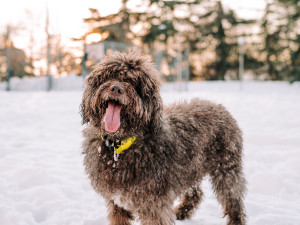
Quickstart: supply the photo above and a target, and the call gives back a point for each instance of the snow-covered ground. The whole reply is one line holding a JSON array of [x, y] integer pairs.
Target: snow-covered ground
[[42, 179]]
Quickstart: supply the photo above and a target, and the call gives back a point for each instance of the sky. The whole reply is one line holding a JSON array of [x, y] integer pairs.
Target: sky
[[65, 16], [29, 17]]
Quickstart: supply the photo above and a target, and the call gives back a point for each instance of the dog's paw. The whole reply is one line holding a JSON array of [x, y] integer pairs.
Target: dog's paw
[[184, 212]]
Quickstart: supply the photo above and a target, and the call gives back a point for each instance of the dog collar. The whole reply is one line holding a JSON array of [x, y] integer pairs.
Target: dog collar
[[125, 144]]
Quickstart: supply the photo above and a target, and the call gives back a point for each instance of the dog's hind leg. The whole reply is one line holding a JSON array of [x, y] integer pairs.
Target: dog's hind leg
[[118, 215], [229, 187], [189, 203]]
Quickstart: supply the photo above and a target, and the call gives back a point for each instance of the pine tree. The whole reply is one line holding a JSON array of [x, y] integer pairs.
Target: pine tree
[[216, 32], [292, 35], [281, 39], [117, 26], [272, 40], [202, 26]]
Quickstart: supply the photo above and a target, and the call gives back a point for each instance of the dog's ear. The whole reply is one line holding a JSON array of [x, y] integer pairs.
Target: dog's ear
[[149, 85], [85, 108], [156, 117]]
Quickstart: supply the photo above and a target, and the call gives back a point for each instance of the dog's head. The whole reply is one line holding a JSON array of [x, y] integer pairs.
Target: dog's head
[[121, 95]]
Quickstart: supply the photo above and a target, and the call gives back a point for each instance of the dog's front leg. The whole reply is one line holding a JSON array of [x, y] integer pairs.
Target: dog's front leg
[[118, 215], [153, 214]]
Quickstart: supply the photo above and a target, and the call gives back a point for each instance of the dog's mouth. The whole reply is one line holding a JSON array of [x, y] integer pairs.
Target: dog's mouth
[[112, 115]]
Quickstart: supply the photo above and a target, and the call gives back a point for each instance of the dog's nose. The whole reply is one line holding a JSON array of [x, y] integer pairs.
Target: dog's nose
[[116, 89]]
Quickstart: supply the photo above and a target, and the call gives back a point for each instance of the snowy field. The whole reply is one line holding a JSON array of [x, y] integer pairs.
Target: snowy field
[[42, 179]]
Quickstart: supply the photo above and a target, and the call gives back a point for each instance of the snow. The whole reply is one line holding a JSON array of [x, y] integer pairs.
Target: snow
[[42, 178]]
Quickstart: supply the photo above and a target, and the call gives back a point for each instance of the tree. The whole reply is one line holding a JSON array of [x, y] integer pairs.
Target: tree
[[115, 27], [281, 39], [209, 31], [272, 40], [218, 30], [17, 60], [204, 27], [292, 27], [64, 61]]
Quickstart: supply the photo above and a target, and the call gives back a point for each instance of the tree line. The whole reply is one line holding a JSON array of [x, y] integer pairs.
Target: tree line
[[210, 32]]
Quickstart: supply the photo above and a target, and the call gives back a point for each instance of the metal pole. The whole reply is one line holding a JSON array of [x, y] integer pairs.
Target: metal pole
[[7, 53], [179, 69], [179, 61], [187, 67], [241, 42], [84, 58]]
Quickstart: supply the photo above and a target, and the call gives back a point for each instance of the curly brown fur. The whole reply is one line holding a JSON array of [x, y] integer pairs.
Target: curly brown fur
[[118, 215], [175, 147], [188, 204]]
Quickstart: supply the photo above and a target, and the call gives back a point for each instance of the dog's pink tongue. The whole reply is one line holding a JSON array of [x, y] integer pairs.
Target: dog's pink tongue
[[112, 117]]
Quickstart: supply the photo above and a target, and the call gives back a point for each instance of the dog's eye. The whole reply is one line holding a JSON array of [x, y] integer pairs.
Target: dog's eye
[[135, 84], [130, 81], [139, 91]]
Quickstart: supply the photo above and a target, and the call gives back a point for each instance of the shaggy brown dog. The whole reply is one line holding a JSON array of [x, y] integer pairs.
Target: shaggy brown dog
[[175, 146]]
